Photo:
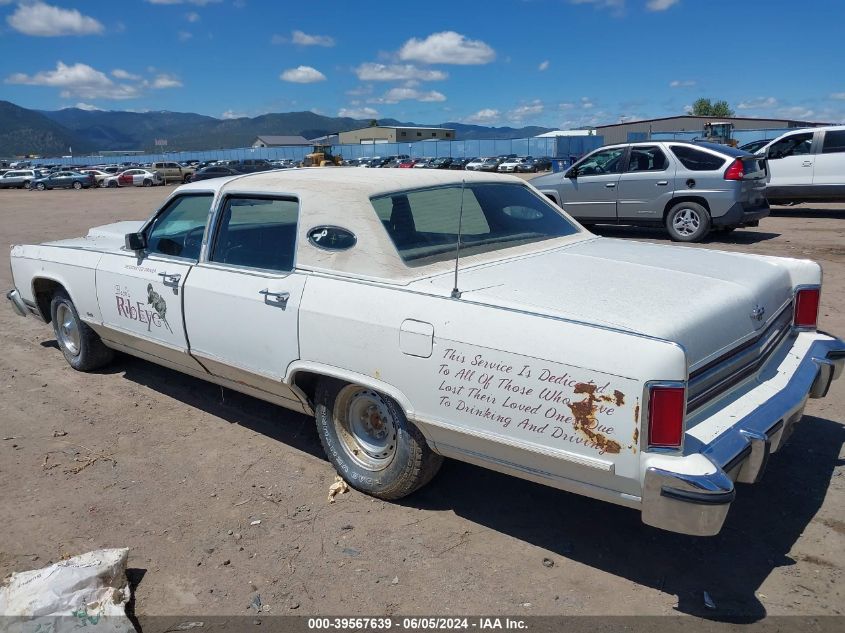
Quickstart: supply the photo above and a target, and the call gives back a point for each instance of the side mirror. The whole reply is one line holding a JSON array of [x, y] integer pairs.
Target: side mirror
[[572, 173], [136, 241]]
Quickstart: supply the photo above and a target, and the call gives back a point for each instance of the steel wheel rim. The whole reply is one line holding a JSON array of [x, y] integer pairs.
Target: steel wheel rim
[[77, 185], [365, 427], [686, 222], [68, 329]]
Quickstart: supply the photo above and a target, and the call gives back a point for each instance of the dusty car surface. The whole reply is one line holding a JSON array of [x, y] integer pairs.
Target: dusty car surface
[[419, 314]]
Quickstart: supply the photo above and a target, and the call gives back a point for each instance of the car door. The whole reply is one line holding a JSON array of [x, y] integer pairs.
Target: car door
[[791, 160], [647, 184], [141, 295], [589, 192], [242, 301], [829, 168]]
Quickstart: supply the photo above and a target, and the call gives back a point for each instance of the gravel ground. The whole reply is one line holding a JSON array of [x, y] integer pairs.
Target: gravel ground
[[177, 470]]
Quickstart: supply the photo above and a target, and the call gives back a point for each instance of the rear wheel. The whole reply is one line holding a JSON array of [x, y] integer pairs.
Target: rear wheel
[[148, 182], [688, 222], [81, 346], [77, 185], [41, 186], [112, 184], [370, 442]]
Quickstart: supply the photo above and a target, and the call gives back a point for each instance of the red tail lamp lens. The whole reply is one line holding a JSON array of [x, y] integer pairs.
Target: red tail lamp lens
[[736, 171], [666, 416], [807, 307]]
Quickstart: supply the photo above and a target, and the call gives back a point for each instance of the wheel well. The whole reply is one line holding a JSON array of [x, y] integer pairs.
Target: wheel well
[[674, 201], [306, 382], [43, 291]]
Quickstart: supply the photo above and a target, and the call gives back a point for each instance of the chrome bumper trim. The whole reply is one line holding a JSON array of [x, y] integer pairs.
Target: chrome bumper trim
[[698, 504], [17, 302]]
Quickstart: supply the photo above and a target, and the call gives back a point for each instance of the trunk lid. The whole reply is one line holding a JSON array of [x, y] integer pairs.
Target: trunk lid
[[701, 299]]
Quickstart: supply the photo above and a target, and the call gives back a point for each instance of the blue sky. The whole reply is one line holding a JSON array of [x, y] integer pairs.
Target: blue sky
[[557, 63]]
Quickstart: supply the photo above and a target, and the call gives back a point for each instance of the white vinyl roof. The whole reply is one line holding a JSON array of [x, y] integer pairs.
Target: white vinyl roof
[[340, 196]]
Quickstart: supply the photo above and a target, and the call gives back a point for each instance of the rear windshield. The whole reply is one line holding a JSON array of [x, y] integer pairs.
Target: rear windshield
[[423, 223]]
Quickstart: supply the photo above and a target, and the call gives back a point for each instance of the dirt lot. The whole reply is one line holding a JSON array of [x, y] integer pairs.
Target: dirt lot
[[176, 469]]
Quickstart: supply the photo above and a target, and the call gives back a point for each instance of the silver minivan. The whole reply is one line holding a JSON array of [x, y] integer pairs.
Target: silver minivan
[[690, 188]]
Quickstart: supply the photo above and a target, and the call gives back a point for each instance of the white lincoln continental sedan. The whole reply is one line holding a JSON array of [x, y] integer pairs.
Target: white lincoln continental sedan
[[422, 314]]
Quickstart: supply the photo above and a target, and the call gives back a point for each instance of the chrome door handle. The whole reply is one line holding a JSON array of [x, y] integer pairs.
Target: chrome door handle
[[662, 183], [170, 280], [278, 299], [610, 185]]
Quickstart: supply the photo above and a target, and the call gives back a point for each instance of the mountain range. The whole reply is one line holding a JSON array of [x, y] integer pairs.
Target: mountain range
[[53, 132]]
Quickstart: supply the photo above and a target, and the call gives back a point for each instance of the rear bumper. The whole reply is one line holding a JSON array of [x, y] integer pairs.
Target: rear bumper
[[698, 503], [739, 214]]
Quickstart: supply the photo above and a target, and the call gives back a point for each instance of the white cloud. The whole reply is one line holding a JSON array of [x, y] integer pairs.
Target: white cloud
[[78, 80], [447, 47], [526, 111], [358, 113], [44, 20], [192, 17], [566, 105], [397, 72], [302, 75], [87, 106], [166, 81], [81, 80], [795, 112], [231, 114], [304, 39], [682, 83], [544, 65], [617, 7], [838, 95], [660, 5], [483, 117], [395, 95], [757, 104], [184, 36], [586, 103], [119, 73]]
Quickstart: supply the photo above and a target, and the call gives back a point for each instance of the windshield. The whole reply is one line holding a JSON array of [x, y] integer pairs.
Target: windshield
[[423, 223]]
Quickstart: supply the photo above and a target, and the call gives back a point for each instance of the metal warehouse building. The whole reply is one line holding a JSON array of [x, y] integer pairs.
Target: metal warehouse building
[[391, 134], [641, 130]]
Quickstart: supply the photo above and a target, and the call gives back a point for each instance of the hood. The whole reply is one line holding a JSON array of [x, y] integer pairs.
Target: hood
[[103, 238], [699, 298]]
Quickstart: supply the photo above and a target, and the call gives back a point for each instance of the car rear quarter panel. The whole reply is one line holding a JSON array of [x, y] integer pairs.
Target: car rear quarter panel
[[557, 400], [72, 268]]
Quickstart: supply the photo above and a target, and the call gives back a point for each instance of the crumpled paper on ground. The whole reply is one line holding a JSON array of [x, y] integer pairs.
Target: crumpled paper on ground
[[88, 591], [339, 487]]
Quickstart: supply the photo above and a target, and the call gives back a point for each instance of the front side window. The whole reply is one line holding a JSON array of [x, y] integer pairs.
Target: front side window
[[834, 142], [178, 230], [257, 233], [697, 160], [606, 161], [423, 224], [793, 145], [649, 158]]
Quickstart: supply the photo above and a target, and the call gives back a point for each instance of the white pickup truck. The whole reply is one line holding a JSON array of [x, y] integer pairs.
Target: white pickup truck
[[419, 314]]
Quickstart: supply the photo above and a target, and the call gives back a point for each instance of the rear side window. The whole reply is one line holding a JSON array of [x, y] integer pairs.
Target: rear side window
[[792, 145], [257, 233], [696, 160], [834, 142], [178, 230], [649, 158]]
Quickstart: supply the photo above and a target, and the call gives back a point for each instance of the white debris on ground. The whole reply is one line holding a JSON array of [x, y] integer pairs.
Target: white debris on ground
[[339, 487], [90, 590]]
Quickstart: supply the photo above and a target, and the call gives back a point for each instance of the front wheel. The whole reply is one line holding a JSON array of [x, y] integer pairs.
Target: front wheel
[[27, 184], [41, 186], [688, 222], [81, 346], [112, 185], [148, 183], [77, 185], [370, 442]]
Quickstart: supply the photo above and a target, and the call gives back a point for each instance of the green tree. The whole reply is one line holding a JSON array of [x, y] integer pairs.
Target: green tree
[[373, 123], [704, 107]]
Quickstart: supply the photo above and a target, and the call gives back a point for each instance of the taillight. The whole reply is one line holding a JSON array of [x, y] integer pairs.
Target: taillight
[[807, 307], [666, 416], [736, 171]]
